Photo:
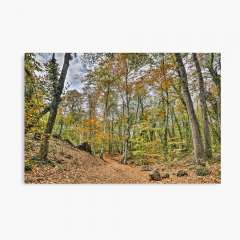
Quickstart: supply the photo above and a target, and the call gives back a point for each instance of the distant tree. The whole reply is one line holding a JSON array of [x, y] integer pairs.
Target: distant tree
[[214, 67], [33, 91]]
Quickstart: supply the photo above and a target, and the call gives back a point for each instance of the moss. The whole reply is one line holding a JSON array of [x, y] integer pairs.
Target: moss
[[182, 173], [28, 165], [202, 171]]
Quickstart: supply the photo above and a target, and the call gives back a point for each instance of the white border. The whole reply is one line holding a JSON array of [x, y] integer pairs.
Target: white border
[[117, 211]]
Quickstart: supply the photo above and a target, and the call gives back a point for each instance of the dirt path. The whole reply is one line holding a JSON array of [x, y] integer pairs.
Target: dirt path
[[115, 172], [75, 166]]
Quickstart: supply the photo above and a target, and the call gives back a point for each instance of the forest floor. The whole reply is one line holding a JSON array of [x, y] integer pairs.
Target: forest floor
[[74, 166]]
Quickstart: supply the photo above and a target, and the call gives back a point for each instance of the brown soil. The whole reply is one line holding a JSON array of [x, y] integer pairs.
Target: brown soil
[[75, 166]]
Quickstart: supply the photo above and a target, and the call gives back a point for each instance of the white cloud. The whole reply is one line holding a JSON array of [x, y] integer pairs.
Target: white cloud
[[76, 71]]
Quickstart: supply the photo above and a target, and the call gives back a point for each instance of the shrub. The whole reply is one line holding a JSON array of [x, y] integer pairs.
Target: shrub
[[28, 166], [202, 171]]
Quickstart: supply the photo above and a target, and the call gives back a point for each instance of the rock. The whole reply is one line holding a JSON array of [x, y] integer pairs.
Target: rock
[[37, 136], [85, 147], [182, 173], [146, 168], [202, 171], [155, 175], [165, 175], [28, 166]]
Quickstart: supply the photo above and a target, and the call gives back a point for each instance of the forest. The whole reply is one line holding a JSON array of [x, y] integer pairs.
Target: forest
[[122, 117]]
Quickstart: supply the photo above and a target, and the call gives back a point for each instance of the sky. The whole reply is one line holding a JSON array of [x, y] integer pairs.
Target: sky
[[77, 69]]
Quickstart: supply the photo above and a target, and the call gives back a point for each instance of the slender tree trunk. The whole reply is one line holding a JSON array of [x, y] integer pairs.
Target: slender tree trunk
[[123, 125], [142, 108], [166, 120], [166, 127], [207, 139], [54, 107], [173, 125], [126, 147], [109, 138], [106, 120], [137, 111], [61, 128], [216, 78], [178, 125], [196, 136], [112, 149], [214, 130], [127, 137]]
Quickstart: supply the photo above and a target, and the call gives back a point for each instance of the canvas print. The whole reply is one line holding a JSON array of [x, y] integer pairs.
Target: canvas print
[[146, 118]]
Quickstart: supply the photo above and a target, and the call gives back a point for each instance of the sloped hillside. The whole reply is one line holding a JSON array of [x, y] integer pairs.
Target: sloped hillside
[[75, 166], [71, 165]]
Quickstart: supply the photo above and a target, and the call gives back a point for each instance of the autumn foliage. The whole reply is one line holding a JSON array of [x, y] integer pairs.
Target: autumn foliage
[[141, 107]]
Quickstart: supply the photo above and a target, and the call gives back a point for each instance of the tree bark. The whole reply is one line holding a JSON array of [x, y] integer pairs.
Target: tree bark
[[61, 128], [202, 94], [177, 123], [126, 142], [196, 137], [54, 107], [166, 119], [106, 121], [216, 78]]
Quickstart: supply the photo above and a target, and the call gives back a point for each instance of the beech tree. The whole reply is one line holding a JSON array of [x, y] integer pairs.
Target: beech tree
[[202, 94], [33, 91], [58, 84], [196, 136]]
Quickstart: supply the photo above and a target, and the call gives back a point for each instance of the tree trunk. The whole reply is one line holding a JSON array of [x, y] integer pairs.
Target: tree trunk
[[196, 137], [165, 146], [127, 137], [54, 107], [202, 94], [61, 128], [177, 123], [216, 134], [217, 80]]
